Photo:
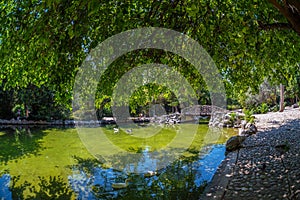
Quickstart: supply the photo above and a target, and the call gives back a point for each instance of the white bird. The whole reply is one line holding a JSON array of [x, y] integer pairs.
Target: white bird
[[120, 185], [116, 130], [129, 131], [150, 174]]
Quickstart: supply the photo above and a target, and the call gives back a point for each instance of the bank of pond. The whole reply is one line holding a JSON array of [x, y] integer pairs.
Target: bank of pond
[[173, 162]]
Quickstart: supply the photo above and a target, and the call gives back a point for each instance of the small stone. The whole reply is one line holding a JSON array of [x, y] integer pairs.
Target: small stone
[[209, 194]]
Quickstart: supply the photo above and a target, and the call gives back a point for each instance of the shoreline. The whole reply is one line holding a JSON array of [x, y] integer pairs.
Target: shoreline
[[68, 122], [267, 165]]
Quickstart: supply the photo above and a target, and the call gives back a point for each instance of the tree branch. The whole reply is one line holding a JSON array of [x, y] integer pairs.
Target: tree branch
[[277, 5], [291, 11], [274, 26]]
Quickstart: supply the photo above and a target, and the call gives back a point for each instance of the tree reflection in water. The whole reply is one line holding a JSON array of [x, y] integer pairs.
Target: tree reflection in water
[[180, 180], [17, 142], [53, 187], [185, 178]]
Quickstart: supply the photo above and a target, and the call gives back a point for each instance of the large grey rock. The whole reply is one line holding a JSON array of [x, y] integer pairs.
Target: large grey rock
[[248, 129], [251, 127]]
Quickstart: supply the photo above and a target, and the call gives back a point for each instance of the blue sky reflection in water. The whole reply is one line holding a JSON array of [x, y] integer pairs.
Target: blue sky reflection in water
[[4, 187], [58, 153], [203, 168]]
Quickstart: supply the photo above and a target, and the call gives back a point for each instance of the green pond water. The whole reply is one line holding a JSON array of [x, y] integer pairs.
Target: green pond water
[[84, 163]]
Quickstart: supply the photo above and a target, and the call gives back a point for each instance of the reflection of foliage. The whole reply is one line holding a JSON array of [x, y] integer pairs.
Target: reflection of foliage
[[19, 142], [52, 188], [191, 154], [18, 191], [173, 183], [135, 149], [176, 181], [87, 165]]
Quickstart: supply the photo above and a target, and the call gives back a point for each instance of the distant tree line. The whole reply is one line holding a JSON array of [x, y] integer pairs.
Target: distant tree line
[[31, 103]]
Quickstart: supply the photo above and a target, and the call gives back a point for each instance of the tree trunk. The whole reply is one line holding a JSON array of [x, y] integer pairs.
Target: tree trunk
[[290, 9], [26, 111], [281, 108]]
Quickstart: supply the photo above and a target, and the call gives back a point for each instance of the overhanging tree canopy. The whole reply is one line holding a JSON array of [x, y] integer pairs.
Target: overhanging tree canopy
[[44, 42]]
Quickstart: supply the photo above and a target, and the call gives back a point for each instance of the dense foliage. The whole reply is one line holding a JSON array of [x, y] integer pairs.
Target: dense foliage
[[43, 43]]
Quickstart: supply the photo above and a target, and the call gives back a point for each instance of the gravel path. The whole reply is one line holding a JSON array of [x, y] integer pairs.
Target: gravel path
[[276, 119], [267, 166]]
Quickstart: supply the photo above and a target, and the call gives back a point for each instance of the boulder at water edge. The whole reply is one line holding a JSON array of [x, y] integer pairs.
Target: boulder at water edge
[[234, 143]]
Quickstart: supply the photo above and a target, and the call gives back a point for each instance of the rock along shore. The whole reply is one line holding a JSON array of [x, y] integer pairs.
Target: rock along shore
[[267, 166], [69, 122]]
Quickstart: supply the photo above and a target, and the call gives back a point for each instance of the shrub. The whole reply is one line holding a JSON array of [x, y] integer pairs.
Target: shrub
[[233, 116], [264, 108], [249, 115], [275, 108], [20, 108], [233, 107]]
